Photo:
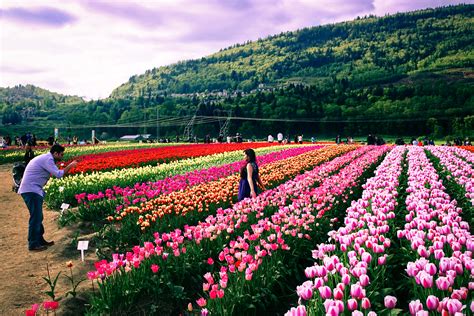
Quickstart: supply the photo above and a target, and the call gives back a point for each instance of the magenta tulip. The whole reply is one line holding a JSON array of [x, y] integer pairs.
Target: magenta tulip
[[352, 304], [365, 304], [432, 302]]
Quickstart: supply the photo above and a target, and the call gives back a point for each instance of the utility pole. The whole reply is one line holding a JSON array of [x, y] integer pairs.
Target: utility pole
[[189, 129], [157, 124], [224, 130]]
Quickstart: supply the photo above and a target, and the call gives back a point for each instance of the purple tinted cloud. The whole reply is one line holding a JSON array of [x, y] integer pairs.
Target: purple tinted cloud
[[21, 70], [251, 19], [236, 4], [44, 15], [132, 12], [393, 6], [213, 33]]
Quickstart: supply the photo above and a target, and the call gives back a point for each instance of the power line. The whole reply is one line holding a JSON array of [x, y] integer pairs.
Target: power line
[[169, 121]]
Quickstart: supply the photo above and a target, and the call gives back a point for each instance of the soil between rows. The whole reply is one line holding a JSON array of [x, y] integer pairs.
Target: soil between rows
[[21, 282]]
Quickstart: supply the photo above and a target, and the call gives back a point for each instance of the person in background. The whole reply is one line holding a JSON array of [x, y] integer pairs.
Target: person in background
[[23, 140], [280, 138], [50, 140], [370, 140], [249, 177], [36, 175], [238, 138], [29, 154], [8, 140], [399, 141]]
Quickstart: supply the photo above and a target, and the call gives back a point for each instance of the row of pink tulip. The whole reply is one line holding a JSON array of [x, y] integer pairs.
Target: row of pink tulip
[[344, 267], [188, 247], [464, 154], [141, 192], [439, 238], [460, 170], [245, 255], [225, 221]]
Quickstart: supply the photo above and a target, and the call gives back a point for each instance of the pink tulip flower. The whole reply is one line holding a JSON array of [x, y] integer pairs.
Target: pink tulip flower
[[365, 304], [390, 301], [415, 306], [432, 302], [325, 292], [201, 302], [297, 311], [304, 292], [155, 268], [453, 306], [352, 304]]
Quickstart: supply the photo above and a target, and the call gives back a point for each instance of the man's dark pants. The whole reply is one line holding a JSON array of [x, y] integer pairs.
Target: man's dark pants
[[34, 202]]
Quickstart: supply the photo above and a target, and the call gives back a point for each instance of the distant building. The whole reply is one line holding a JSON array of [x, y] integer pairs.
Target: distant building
[[136, 137]]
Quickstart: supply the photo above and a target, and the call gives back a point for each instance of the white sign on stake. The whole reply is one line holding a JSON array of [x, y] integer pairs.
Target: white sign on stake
[[64, 207], [82, 245]]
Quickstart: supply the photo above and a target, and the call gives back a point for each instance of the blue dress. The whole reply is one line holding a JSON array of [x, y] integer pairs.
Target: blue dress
[[244, 187]]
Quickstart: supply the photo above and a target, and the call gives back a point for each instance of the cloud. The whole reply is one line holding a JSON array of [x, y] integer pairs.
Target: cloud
[[88, 48], [383, 7], [133, 12], [21, 70], [45, 16]]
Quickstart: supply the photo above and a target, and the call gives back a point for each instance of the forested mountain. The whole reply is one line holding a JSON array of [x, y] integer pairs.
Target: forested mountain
[[403, 74], [357, 53], [23, 102]]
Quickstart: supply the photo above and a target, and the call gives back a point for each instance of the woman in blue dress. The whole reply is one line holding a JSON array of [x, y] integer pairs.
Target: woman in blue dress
[[249, 177]]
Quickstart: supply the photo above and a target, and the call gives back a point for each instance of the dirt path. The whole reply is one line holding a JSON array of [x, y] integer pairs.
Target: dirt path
[[21, 283]]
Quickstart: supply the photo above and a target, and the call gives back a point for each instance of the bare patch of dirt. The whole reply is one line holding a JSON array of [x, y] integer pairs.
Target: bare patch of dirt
[[21, 282]]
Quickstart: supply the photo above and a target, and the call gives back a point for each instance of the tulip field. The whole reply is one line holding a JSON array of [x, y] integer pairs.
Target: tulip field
[[12, 154], [339, 230]]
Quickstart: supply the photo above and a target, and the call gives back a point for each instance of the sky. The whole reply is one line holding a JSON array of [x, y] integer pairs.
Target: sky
[[87, 48]]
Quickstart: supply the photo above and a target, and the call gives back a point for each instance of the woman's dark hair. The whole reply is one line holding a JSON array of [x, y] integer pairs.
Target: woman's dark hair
[[251, 158], [251, 154], [56, 148]]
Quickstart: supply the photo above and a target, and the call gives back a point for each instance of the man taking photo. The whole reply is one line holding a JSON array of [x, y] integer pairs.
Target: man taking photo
[[37, 174]]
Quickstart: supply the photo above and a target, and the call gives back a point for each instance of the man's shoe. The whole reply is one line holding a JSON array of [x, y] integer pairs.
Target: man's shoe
[[38, 248], [48, 243]]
